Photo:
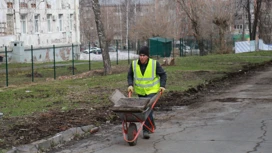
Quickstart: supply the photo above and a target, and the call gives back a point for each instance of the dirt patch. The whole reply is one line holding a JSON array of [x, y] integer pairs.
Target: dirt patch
[[35, 75], [70, 68], [18, 131]]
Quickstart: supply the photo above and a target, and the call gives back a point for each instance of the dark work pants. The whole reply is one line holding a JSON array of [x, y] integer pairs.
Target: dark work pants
[[150, 115]]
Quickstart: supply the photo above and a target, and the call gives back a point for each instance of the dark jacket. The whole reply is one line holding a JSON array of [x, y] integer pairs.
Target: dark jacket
[[159, 71]]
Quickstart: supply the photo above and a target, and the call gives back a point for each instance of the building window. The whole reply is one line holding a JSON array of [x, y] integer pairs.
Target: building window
[[246, 26], [10, 24], [64, 36], [60, 22], [36, 22], [2, 28], [71, 22], [49, 19], [23, 23], [239, 26], [9, 4], [33, 5]]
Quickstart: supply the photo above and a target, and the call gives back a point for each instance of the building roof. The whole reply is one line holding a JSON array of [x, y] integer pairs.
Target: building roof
[[160, 39]]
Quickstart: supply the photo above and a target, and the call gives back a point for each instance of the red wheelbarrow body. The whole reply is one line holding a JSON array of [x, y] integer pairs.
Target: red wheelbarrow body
[[131, 110]]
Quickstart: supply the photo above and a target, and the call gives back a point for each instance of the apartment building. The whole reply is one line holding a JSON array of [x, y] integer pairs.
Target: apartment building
[[40, 23], [241, 22]]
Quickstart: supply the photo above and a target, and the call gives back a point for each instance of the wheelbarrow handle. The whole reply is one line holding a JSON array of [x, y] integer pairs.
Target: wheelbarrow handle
[[158, 97]]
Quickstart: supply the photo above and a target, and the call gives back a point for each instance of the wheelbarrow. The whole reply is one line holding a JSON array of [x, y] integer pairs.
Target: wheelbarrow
[[131, 110]]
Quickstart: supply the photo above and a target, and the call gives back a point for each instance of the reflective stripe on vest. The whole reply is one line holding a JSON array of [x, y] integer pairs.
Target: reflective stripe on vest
[[147, 83]]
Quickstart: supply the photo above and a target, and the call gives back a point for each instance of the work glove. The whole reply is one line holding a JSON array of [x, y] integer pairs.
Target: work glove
[[162, 89], [130, 89]]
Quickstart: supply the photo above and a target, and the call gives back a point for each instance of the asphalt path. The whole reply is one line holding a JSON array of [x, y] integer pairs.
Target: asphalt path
[[236, 120]]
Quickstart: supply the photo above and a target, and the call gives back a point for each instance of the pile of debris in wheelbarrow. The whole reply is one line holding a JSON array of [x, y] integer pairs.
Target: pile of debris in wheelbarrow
[[132, 110]]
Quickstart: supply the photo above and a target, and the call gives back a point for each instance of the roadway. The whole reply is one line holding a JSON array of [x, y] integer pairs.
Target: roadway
[[233, 120]]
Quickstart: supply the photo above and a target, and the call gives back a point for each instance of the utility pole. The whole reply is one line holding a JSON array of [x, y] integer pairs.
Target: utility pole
[[127, 23], [257, 30], [121, 30]]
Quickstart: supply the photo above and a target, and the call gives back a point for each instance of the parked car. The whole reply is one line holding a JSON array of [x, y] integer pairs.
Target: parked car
[[94, 50], [113, 49], [185, 48]]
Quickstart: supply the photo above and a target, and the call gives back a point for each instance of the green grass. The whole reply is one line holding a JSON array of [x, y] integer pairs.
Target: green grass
[[22, 98], [21, 74]]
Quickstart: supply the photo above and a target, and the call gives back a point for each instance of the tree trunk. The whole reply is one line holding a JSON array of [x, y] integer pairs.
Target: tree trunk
[[221, 39], [198, 38], [192, 12], [102, 37], [253, 26], [249, 19], [257, 12]]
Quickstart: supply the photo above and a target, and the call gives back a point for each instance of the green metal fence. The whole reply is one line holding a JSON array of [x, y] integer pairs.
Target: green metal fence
[[36, 71]]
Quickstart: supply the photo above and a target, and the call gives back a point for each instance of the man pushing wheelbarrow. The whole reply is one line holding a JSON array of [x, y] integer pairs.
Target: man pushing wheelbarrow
[[146, 77]]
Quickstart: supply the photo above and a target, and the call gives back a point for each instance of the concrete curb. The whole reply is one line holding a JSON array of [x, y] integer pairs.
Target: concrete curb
[[57, 140]]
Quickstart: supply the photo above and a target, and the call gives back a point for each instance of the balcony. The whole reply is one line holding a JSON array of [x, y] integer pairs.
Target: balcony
[[23, 8], [9, 8], [10, 11], [9, 5], [23, 5]]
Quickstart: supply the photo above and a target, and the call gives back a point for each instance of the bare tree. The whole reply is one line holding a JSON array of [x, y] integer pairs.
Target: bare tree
[[265, 28], [127, 18], [103, 43], [87, 23], [221, 13], [151, 25], [193, 11], [249, 6], [109, 19]]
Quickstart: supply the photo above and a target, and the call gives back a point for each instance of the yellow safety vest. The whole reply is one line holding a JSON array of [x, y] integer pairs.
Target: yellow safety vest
[[149, 82]]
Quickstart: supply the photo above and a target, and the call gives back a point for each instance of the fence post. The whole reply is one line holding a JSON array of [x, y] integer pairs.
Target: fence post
[[180, 53], [157, 48], [54, 56], [116, 52], [89, 56], [138, 47], [165, 47], [73, 62], [173, 48], [32, 63], [6, 55], [183, 45], [128, 53], [211, 45]]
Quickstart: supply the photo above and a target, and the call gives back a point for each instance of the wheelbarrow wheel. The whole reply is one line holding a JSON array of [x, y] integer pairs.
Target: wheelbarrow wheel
[[132, 131]]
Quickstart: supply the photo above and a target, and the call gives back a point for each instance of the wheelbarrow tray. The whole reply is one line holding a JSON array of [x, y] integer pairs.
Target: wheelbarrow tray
[[132, 115], [133, 109]]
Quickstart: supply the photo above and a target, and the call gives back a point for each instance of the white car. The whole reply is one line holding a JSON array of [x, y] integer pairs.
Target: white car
[[94, 50]]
